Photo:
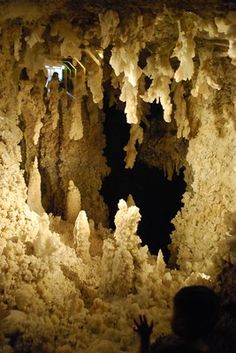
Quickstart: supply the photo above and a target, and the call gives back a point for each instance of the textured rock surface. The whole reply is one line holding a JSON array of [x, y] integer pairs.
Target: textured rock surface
[[67, 283]]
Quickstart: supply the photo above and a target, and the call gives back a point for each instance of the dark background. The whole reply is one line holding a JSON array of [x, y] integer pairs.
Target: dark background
[[158, 198]]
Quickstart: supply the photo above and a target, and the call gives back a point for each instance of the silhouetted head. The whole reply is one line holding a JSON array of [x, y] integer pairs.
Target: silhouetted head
[[196, 311], [55, 76]]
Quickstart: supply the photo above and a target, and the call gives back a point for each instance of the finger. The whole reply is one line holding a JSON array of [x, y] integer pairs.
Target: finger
[[143, 319]]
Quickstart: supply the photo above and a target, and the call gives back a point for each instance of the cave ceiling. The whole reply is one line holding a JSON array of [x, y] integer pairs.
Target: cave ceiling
[[68, 283], [85, 11]]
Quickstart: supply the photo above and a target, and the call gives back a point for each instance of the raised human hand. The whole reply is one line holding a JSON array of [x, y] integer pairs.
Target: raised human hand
[[143, 329]]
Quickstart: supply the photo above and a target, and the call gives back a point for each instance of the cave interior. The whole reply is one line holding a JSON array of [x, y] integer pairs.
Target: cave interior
[[117, 164]]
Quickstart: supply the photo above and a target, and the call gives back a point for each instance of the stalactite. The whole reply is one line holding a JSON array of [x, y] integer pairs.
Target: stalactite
[[136, 131], [136, 135], [94, 81], [54, 96], [69, 37], [181, 118], [164, 151], [206, 76], [160, 71], [54, 274], [36, 36], [17, 45], [108, 22], [124, 60], [76, 128], [227, 27], [185, 48], [129, 96]]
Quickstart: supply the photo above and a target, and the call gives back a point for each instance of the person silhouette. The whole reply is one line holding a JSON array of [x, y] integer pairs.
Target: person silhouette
[[195, 313]]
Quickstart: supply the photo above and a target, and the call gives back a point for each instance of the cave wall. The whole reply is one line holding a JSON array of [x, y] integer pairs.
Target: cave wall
[[211, 198], [69, 284]]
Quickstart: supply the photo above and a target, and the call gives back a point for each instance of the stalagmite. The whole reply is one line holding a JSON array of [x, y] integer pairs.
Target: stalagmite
[[45, 243], [34, 189], [160, 264], [73, 202], [71, 280], [130, 201], [81, 237]]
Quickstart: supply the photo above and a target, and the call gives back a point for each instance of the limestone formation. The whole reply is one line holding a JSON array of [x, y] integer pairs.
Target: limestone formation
[[68, 283]]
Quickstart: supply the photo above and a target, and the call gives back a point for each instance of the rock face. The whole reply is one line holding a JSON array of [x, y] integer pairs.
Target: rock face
[[67, 282]]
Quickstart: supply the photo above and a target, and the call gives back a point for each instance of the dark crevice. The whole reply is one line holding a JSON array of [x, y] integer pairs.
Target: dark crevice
[[158, 198]]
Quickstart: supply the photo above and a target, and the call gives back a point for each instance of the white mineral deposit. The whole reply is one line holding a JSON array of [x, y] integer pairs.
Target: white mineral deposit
[[68, 282]]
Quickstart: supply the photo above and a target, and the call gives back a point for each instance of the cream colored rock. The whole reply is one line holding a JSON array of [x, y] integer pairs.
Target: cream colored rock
[[76, 285], [81, 236], [14, 322], [34, 189], [73, 202]]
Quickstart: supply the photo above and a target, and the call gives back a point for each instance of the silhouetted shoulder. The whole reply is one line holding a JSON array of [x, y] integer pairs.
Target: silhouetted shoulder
[[174, 344]]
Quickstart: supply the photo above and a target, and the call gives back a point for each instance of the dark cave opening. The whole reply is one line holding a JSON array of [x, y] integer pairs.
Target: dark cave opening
[[157, 198]]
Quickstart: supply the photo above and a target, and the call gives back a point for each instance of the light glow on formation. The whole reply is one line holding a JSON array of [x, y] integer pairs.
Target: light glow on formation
[[69, 283], [204, 276]]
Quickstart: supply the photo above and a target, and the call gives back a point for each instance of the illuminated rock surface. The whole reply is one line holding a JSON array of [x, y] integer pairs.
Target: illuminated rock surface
[[67, 282]]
